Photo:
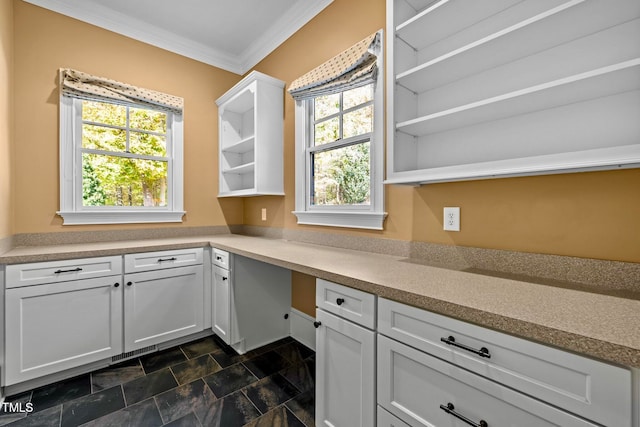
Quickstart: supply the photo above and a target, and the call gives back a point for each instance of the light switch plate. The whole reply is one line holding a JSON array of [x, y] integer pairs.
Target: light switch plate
[[451, 219]]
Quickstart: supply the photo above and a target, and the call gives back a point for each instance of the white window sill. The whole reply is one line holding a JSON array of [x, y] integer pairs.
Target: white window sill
[[368, 220], [119, 217]]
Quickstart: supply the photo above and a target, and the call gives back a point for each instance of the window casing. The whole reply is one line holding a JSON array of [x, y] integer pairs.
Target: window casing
[[163, 203], [353, 211]]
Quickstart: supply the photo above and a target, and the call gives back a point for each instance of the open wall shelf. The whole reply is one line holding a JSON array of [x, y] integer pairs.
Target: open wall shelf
[[511, 87]]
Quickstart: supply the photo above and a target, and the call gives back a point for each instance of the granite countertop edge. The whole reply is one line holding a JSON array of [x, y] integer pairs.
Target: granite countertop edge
[[599, 326]]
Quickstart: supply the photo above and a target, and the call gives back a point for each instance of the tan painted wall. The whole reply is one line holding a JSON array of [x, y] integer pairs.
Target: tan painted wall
[[46, 41], [6, 120], [585, 214]]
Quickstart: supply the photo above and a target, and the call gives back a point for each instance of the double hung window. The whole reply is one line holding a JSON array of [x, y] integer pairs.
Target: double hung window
[[120, 159], [339, 147]]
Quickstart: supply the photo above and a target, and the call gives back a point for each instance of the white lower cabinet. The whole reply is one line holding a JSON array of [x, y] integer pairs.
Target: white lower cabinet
[[345, 358], [221, 304], [58, 326], [422, 390], [162, 305]]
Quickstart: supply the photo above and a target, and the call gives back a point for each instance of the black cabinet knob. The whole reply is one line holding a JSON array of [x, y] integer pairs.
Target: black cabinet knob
[[340, 301], [116, 285], [317, 324], [129, 283]]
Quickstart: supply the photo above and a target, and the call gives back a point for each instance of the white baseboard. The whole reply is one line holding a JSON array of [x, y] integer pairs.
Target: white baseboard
[[302, 328]]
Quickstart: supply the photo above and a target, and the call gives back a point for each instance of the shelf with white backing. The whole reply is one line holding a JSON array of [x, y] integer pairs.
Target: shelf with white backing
[[251, 137], [514, 88]]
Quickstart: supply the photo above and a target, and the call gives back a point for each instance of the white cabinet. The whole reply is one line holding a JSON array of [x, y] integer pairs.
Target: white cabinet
[[65, 323], [429, 358], [251, 301], [425, 391], [345, 358], [251, 137], [162, 302], [509, 87]]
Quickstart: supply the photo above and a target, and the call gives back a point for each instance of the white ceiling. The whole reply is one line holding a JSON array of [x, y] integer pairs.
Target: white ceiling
[[230, 34]]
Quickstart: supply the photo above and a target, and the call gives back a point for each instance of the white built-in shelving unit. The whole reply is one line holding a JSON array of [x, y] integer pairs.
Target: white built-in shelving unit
[[251, 137], [511, 87]]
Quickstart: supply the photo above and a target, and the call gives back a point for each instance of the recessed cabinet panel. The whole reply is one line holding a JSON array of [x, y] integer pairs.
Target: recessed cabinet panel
[[162, 305], [250, 121], [345, 373], [53, 327]]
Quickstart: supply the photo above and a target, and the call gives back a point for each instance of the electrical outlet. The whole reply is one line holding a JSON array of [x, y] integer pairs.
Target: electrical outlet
[[264, 214], [451, 219]]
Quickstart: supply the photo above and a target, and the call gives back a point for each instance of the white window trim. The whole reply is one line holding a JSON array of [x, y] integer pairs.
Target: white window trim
[[370, 217], [71, 209]]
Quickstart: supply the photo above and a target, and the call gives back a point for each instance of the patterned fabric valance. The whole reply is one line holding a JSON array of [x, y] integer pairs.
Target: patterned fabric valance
[[352, 68], [82, 85]]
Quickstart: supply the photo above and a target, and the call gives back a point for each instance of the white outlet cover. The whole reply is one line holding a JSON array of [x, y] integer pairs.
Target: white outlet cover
[[451, 219]]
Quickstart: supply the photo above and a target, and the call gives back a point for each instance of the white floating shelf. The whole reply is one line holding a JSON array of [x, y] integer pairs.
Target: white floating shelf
[[617, 78]]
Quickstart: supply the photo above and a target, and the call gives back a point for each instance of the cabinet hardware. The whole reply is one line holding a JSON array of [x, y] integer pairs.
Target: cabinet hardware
[[116, 285], [167, 259], [225, 278], [129, 283], [450, 409], [340, 301], [483, 352], [68, 271], [317, 324], [286, 316]]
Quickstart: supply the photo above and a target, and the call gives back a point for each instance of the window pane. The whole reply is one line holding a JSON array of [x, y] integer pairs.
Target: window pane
[[119, 181], [357, 96], [152, 121], [341, 176], [104, 112], [102, 138], [358, 122], [144, 143], [327, 131], [326, 105]]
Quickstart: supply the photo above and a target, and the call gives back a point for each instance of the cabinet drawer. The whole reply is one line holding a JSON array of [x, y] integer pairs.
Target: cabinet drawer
[[348, 303], [416, 388], [147, 261], [19, 275], [595, 390], [220, 258]]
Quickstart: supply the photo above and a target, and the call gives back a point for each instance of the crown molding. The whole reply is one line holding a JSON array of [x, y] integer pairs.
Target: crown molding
[[111, 20]]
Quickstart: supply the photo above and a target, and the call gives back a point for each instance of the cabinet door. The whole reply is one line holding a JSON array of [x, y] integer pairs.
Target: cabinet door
[[345, 373], [162, 305], [221, 316], [53, 327]]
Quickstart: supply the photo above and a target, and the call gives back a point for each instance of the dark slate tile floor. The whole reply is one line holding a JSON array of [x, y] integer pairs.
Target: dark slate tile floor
[[203, 383]]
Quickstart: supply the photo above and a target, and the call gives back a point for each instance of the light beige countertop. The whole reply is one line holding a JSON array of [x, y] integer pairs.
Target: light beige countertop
[[595, 324]]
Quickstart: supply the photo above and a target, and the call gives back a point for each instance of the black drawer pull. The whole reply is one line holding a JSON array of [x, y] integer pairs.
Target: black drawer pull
[[116, 284], [225, 278], [129, 283], [483, 352], [340, 301], [317, 324], [68, 271], [450, 409], [218, 258], [167, 259]]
